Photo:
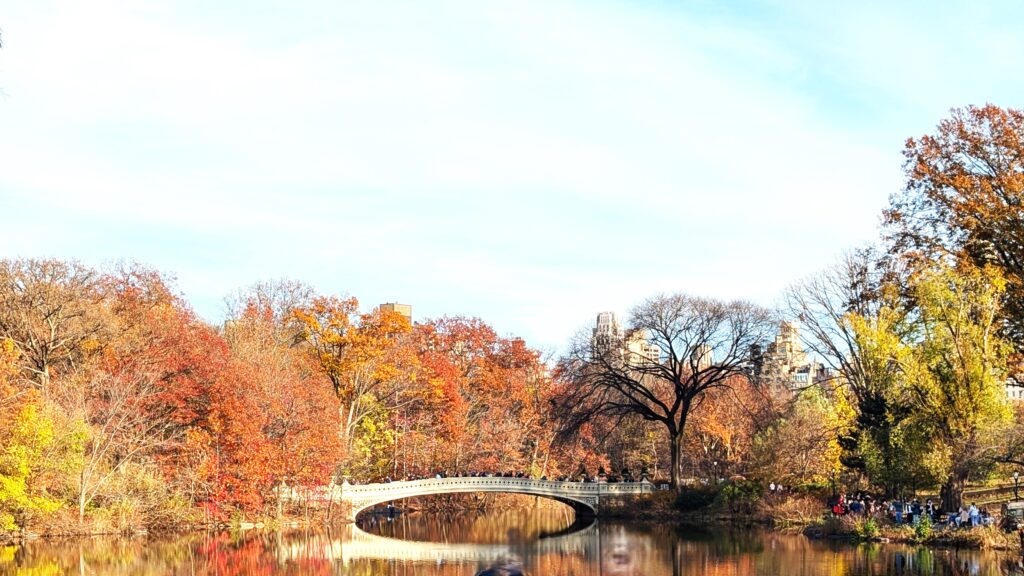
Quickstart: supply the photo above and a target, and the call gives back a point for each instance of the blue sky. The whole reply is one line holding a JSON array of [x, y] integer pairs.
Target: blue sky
[[530, 163]]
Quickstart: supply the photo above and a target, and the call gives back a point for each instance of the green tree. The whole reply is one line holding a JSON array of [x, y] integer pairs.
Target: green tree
[[955, 380], [889, 451], [950, 379]]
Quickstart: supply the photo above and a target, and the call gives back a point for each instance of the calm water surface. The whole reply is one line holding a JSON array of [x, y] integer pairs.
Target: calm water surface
[[469, 543]]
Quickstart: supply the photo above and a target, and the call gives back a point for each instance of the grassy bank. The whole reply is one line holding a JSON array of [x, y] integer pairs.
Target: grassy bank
[[872, 530]]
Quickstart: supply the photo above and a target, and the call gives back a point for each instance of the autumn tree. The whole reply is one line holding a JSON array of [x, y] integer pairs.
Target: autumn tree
[[275, 302], [677, 348], [951, 364], [146, 385], [485, 399], [801, 445], [26, 434], [368, 357], [836, 309], [293, 404], [723, 427], [631, 444], [47, 308], [964, 199], [955, 381]]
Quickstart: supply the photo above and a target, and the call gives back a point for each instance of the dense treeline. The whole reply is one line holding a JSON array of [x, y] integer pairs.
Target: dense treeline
[[120, 408]]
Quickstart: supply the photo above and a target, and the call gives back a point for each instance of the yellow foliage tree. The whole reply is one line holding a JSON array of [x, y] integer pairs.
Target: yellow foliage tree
[[25, 436], [369, 358]]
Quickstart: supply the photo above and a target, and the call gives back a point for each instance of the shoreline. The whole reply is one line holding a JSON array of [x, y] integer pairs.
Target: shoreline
[[845, 530], [848, 530]]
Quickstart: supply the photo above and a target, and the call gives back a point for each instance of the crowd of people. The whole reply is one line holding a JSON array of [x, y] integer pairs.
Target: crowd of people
[[911, 511]]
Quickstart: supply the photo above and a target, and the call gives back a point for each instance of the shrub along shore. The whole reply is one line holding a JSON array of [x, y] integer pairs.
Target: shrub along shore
[[745, 504]]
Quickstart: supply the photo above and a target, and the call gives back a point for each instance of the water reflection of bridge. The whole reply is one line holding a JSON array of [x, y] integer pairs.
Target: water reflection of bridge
[[352, 544], [358, 545]]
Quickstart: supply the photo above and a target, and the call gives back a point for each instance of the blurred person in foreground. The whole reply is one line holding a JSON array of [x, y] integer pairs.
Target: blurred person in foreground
[[504, 567]]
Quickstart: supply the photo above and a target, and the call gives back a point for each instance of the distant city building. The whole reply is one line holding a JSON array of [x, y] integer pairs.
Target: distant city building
[[1014, 390], [607, 331], [631, 346], [703, 357], [640, 348], [786, 362], [403, 309]]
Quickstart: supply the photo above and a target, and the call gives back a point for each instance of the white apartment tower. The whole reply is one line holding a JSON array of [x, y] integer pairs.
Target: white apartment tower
[[634, 347], [703, 357], [607, 327]]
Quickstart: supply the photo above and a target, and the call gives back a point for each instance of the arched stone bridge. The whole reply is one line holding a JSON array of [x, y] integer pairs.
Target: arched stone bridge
[[583, 497]]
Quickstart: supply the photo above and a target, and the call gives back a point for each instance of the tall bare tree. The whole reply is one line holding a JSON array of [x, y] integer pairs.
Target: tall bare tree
[[676, 348], [277, 300], [48, 308]]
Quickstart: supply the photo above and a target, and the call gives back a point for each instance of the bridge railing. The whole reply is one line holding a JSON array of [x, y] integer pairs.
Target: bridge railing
[[470, 482], [410, 488]]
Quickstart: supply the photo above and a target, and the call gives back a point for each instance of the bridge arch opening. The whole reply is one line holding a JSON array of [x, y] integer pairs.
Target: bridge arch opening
[[580, 509]]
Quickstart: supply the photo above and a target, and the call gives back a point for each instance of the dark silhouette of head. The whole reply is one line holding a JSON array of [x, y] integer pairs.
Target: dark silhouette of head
[[503, 568]]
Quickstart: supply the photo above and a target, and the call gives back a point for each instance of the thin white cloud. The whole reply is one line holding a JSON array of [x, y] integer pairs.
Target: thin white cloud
[[531, 163]]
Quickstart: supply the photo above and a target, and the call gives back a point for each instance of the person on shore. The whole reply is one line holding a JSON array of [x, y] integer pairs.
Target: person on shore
[[986, 518], [897, 510], [839, 508], [974, 515], [962, 518]]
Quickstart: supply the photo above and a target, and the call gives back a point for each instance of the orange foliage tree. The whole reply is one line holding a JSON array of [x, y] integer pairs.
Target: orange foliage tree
[[295, 408], [483, 408], [369, 358], [964, 198]]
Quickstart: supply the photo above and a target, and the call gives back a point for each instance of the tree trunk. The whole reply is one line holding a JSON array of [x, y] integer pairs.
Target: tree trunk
[[952, 492], [81, 508], [677, 462], [677, 558], [280, 500]]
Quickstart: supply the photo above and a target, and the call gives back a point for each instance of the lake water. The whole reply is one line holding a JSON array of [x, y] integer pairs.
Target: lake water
[[466, 544]]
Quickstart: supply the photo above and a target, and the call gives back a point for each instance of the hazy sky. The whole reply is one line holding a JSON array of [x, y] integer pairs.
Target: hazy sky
[[530, 163]]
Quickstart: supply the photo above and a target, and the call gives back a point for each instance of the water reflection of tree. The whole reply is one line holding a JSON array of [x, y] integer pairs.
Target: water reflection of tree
[[515, 526], [624, 550]]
